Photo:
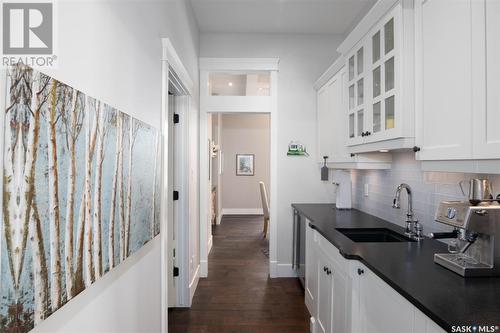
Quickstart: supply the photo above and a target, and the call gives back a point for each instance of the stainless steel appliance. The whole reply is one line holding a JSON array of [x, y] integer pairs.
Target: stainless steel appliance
[[299, 246], [475, 246], [479, 190]]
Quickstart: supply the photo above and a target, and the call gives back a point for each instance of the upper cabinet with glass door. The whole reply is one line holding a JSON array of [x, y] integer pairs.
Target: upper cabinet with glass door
[[379, 53], [383, 80], [356, 92]]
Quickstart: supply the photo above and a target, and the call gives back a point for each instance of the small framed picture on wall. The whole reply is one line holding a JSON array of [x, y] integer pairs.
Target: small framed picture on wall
[[245, 164]]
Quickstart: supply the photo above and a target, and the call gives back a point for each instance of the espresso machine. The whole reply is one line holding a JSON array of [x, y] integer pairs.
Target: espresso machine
[[475, 246]]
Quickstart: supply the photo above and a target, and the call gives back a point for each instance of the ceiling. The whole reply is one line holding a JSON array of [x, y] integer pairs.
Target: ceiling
[[279, 16]]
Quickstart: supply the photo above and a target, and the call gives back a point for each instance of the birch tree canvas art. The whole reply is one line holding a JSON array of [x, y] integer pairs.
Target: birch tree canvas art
[[80, 194]]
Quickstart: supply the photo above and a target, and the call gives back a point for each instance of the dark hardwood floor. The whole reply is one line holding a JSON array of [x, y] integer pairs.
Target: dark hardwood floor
[[238, 295]]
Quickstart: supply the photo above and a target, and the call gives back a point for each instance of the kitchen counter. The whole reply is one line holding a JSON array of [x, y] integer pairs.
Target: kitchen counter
[[409, 268]]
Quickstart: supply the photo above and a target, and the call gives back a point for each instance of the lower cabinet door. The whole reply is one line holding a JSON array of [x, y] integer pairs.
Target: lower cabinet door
[[324, 298], [382, 309], [311, 279], [341, 301]]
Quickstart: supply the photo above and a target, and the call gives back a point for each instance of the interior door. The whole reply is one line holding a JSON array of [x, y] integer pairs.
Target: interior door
[[172, 209]]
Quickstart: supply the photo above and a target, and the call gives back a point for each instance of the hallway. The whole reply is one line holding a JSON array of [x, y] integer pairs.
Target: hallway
[[238, 295]]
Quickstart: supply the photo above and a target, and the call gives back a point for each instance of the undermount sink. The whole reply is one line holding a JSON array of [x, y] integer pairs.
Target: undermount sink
[[373, 235]]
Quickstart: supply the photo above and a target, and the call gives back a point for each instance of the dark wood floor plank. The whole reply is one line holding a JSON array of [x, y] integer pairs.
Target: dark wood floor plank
[[238, 295]]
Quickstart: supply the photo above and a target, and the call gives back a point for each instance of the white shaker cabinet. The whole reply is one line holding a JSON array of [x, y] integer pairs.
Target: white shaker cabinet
[[325, 290], [444, 79], [331, 116], [379, 57], [486, 129], [380, 309], [329, 285], [334, 313], [331, 122], [344, 296], [457, 83]]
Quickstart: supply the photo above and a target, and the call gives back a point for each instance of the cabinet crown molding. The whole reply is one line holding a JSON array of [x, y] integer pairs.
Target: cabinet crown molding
[[329, 73], [378, 10]]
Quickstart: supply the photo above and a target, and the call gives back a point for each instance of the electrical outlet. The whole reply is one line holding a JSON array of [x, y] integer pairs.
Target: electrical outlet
[[367, 189]]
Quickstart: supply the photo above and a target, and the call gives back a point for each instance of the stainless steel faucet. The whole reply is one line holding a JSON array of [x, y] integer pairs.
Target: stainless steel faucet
[[413, 227]]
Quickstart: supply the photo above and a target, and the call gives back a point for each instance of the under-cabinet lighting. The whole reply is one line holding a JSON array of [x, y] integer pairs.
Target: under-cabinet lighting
[[384, 150]]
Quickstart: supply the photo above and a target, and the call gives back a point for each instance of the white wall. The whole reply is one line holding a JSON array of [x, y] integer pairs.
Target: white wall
[[244, 134], [111, 50], [302, 60], [429, 188]]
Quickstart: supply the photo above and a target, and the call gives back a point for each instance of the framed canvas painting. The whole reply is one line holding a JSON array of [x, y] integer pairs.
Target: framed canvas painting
[[81, 192], [245, 164]]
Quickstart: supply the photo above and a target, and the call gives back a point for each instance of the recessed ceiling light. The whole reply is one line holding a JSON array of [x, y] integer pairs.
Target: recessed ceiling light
[[230, 84]]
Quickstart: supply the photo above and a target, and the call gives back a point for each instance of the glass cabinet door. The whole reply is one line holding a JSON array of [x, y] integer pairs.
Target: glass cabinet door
[[389, 36], [356, 94], [351, 125], [389, 74], [361, 123], [351, 97], [360, 60], [377, 83], [389, 112], [376, 47], [361, 92], [351, 68], [377, 117], [383, 79]]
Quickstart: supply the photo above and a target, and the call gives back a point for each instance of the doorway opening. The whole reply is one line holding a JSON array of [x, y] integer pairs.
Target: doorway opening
[[240, 170], [177, 190], [233, 86], [177, 230]]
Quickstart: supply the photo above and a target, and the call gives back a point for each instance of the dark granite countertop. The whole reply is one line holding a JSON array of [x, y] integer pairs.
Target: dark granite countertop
[[409, 268]]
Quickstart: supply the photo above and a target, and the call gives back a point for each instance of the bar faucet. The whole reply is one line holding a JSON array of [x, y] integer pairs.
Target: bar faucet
[[413, 228]]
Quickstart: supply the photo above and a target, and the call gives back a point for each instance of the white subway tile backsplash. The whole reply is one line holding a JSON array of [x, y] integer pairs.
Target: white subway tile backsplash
[[429, 188]]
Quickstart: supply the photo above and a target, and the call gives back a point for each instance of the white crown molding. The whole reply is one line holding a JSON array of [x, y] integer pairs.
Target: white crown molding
[[367, 22], [329, 73]]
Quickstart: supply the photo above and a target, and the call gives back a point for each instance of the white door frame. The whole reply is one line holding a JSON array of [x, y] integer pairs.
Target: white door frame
[[239, 105], [170, 61]]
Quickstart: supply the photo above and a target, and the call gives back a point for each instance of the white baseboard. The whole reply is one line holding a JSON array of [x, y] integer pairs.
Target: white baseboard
[[241, 211], [272, 269], [194, 284], [281, 270], [219, 218], [210, 243], [203, 268]]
